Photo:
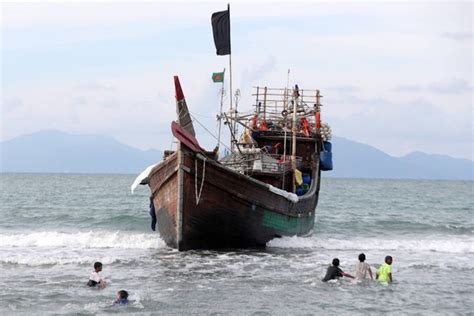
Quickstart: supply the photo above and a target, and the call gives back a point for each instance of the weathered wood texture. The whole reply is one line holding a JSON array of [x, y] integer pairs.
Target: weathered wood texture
[[163, 182]]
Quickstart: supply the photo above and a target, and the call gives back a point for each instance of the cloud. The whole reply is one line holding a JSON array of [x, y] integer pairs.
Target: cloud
[[253, 73], [344, 88], [453, 86], [458, 36], [11, 104], [408, 88], [96, 87], [79, 101], [391, 125]]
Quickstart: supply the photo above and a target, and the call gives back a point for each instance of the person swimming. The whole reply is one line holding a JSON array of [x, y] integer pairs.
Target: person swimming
[[363, 270], [95, 279], [334, 272], [384, 273], [122, 298]]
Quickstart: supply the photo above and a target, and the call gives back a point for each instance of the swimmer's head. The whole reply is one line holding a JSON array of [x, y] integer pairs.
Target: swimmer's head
[[98, 266], [122, 295], [335, 262], [388, 260], [362, 257]]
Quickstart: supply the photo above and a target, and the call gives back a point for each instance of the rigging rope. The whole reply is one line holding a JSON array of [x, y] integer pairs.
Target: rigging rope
[[198, 196], [210, 133]]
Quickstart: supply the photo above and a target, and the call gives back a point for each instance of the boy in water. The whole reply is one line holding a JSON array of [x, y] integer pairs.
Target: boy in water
[[334, 272], [122, 298], [362, 268], [384, 273], [95, 278]]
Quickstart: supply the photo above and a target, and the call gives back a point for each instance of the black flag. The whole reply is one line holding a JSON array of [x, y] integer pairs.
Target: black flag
[[221, 29]]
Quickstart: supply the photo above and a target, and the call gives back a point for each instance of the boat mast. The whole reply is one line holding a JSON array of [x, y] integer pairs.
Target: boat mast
[[285, 108], [294, 130], [222, 40], [220, 113], [233, 141], [285, 100], [265, 104], [236, 126]]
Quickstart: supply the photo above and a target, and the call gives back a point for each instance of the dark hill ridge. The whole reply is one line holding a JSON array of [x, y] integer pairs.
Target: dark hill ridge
[[53, 151], [355, 160]]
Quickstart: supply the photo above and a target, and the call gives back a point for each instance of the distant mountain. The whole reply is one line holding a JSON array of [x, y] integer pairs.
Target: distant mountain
[[54, 151], [355, 160]]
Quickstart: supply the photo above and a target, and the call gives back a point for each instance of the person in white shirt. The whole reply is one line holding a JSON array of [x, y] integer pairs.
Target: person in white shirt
[[363, 270], [95, 278]]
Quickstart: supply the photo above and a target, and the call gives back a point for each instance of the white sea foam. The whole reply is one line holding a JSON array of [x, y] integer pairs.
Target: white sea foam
[[64, 258], [456, 244], [81, 240], [51, 248]]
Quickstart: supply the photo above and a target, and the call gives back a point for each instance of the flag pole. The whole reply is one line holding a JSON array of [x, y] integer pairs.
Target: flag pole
[[232, 141], [220, 113]]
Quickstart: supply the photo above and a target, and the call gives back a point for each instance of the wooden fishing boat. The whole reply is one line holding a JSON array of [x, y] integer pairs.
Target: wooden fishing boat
[[268, 184], [267, 187]]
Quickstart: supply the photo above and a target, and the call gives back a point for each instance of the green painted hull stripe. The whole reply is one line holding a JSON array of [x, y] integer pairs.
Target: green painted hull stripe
[[287, 225]]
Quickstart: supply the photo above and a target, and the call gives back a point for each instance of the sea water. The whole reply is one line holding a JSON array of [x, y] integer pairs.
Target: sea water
[[53, 227]]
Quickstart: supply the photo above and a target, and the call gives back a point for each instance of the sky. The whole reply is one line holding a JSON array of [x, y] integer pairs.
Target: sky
[[394, 75]]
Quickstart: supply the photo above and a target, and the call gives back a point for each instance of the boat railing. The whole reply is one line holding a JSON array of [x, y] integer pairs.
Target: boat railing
[[260, 161], [274, 109], [276, 100]]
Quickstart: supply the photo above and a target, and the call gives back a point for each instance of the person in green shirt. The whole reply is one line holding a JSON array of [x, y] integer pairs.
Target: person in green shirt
[[384, 273]]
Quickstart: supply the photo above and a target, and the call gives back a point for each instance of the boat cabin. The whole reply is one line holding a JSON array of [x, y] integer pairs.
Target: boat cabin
[[280, 139]]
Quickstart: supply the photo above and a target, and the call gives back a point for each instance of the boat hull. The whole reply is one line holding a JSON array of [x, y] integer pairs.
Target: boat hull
[[201, 204]]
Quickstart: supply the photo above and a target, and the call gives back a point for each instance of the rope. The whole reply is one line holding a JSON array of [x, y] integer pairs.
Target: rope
[[210, 133], [200, 115], [198, 196]]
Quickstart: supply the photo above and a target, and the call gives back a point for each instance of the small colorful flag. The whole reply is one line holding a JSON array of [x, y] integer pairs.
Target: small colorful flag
[[218, 77]]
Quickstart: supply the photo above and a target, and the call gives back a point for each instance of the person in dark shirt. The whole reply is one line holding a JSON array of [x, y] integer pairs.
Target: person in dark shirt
[[334, 272]]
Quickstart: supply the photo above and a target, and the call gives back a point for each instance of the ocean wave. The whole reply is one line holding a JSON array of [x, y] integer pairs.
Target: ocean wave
[[84, 221], [424, 225], [39, 259], [452, 245], [81, 240]]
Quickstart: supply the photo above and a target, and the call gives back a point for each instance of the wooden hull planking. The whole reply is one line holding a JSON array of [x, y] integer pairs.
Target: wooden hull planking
[[231, 210]]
